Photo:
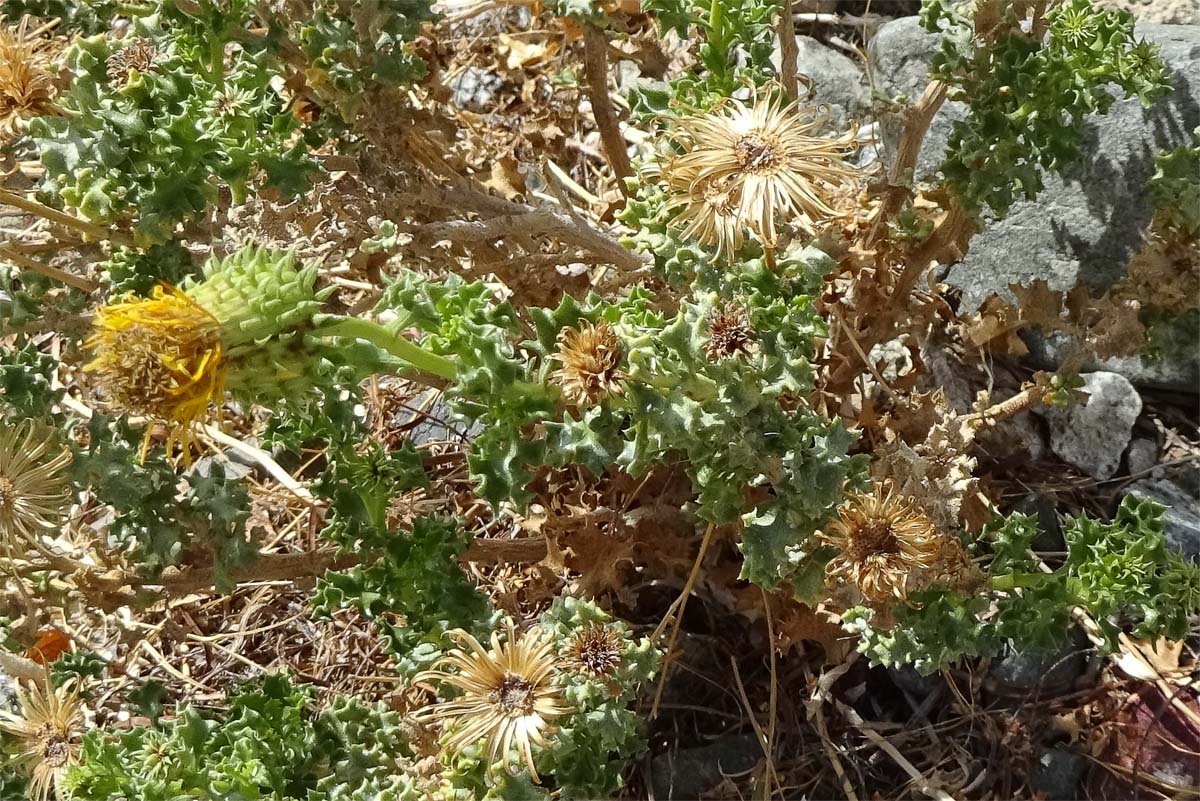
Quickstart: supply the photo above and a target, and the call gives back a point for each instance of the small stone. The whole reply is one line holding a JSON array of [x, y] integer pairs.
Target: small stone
[[1019, 673], [1094, 436], [474, 88], [1057, 774], [1178, 488]]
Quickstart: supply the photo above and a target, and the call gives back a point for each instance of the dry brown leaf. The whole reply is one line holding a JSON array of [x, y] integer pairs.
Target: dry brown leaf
[[519, 53]]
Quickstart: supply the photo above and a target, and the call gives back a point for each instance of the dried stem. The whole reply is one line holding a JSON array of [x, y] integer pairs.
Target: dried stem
[[1023, 401], [595, 65], [535, 222], [916, 125], [70, 279], [789, 51], [21, 668], [89, 229]]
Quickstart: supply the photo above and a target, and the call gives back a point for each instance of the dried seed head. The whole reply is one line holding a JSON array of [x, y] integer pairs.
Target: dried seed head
[[140, 55], [882, 542], [729, 333], [595, 650], [33, 488], [26, 85], [46, 729], [590, 356]]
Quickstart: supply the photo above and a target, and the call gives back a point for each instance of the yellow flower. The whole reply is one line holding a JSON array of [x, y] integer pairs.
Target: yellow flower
[[26, 85], [33, 490], [747, 166], [161, 357], [507, 695], [590, 356], [883, 543], [46, 728], [594, 650]]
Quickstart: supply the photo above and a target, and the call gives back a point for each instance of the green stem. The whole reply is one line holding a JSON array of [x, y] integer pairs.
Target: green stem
[[716, 35], [395, 344], [1017, 580]]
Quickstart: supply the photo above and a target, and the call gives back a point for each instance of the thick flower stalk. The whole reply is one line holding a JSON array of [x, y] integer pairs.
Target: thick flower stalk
[[250, 327], [749, 166], [508, 696]]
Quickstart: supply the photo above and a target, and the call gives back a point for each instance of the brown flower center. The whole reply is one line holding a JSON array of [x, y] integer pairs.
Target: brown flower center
[[873, 538], [8, 493], [514, 696], [56, 751], [596, 650], [756, 153]]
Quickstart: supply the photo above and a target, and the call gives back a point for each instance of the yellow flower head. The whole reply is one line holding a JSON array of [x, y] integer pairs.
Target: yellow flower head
[[243, 328], [159, 356], [883, 543], [46, 728], [590, 356], [26, 85], [507, 698], [749, 165], [33, 489]]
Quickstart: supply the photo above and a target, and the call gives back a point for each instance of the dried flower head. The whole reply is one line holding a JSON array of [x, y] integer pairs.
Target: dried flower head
[[159, 356], [595, 650], [747, 165], [46, 728], [729, 333], [26, 85], [710, 213], [590, 356], [140, 55], [33, 489], [882, 541], [508, 696]]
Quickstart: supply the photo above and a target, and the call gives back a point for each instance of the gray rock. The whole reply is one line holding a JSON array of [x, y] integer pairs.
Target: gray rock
[[1045, 508], [1086, 224], [1178, 488], [836, 79], [1019, 673], [1143, 455], [687, 773], [1094, 436], [1057, 773], [474, 88]]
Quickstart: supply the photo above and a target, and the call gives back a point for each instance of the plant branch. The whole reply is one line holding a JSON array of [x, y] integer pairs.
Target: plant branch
[[90, 229], [542, 221], [595, 66], [916, 125], [33, 265], [789, 51]]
